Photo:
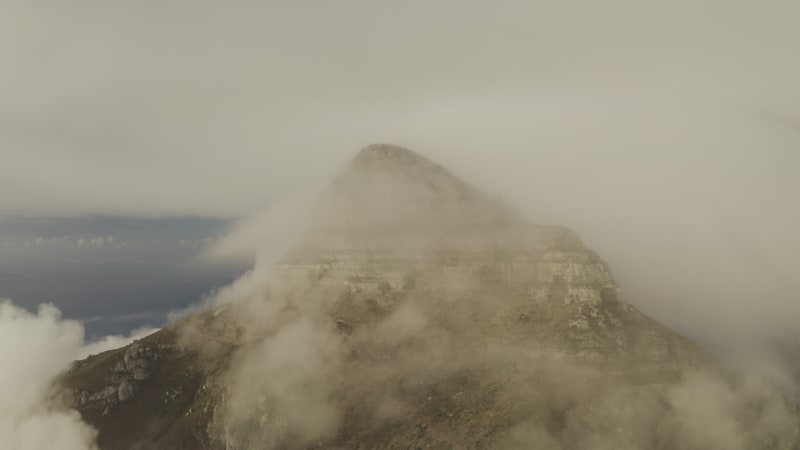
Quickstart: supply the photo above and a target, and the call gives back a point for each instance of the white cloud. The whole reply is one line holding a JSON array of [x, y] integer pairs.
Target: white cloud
[[88, 242], [34, 349], [113, 341]]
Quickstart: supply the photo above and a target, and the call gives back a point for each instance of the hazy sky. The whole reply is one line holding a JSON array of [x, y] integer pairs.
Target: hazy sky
[[666, 133]]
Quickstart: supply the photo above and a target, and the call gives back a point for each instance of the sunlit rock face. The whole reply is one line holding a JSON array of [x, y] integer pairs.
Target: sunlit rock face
[[414, 312]]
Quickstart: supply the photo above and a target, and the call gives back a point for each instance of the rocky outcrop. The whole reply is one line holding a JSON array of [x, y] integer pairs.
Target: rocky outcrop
[[129, 369]]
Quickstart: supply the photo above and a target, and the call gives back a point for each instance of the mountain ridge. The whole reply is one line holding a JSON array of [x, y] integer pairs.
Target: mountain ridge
[[415, 312]]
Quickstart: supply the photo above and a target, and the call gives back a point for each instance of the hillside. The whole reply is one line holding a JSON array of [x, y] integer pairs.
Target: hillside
[[418, 312]]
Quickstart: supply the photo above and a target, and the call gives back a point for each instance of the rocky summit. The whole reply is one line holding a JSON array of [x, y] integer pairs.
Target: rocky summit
[[417, 312]]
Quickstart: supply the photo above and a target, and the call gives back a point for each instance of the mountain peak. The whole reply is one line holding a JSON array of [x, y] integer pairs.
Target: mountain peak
[[387, 186], [393, 158], [387, 153]]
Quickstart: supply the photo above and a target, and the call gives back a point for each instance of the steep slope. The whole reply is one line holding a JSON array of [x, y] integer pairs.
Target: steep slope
[[416, 312]]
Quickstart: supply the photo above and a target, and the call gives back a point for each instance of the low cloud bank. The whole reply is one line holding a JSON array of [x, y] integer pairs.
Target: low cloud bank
[[113, 341]]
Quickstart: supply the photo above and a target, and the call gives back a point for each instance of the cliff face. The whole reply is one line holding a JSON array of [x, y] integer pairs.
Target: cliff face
[[416, 312], [395, 224]]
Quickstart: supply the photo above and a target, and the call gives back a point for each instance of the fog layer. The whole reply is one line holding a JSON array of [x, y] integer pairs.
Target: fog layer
[[406, 314]]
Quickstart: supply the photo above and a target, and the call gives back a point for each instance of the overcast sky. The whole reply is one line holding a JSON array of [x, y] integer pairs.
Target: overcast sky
[[666, 133]]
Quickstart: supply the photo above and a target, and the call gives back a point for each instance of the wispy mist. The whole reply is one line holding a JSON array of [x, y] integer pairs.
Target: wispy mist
[[343, 351], [664, 134]]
